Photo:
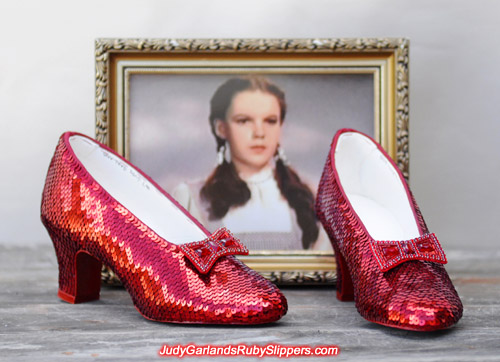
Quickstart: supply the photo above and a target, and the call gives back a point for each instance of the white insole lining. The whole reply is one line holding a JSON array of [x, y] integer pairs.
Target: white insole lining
[[374, 189], [136, 193]]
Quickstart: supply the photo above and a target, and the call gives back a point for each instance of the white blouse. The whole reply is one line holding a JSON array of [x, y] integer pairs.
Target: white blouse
[[264, 222]]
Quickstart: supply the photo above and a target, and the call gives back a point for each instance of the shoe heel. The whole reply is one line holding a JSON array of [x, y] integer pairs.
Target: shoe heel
[[79, 272], [345, 289]]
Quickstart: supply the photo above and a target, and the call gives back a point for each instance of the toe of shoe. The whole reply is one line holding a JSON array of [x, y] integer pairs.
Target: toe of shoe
[[260, 307], [423, 299], [423, 316]]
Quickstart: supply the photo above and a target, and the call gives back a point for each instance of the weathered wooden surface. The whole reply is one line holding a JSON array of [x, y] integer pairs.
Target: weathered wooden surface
[[36, 326]]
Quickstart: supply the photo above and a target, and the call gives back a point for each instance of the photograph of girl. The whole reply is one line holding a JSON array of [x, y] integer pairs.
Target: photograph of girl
[[246, 150], [253, 191]]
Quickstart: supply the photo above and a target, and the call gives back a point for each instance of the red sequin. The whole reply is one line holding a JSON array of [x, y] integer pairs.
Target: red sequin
[[89, 227], [415, 293]]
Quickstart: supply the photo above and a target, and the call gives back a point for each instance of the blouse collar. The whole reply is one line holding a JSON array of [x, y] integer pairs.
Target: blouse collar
[[259, 177]]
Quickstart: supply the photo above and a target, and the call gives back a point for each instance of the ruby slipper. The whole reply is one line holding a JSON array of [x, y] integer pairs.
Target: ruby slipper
[[387, 261], [98, 208]]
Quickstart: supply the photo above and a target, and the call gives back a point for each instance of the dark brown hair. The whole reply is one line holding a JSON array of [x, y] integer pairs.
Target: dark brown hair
[[224, 188]]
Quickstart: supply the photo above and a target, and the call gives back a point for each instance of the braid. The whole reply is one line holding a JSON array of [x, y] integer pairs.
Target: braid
[[301, 199], [223, 189]]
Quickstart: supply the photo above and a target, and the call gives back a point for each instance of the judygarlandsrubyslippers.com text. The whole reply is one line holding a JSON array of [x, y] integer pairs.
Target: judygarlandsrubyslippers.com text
[[243, 350]]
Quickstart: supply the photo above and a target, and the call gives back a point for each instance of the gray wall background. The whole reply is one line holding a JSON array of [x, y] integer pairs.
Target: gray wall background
[[47, 87]]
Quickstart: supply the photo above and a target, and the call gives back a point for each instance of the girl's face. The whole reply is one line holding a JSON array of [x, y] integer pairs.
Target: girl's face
[[252, 128]]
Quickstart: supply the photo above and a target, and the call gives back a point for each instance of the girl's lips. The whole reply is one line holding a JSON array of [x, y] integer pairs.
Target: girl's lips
[[258, 148]]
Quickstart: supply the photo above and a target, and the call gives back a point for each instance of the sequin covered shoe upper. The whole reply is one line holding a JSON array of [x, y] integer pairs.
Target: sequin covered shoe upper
[[385, 253], [189, 281]]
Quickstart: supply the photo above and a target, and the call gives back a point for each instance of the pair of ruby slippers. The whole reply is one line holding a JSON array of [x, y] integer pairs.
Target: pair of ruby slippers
[[98, 208]]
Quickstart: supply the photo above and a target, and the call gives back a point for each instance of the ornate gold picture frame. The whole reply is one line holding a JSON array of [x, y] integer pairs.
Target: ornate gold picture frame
[[158, 85]]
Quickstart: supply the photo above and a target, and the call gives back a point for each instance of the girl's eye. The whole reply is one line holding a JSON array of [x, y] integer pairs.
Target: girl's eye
[[272, 120]]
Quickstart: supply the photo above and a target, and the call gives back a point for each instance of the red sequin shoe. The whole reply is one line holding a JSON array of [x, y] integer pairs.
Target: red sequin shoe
[[387, 261], [98, 208]]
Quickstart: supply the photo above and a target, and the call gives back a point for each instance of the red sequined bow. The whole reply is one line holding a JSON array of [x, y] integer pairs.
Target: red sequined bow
[[392, 253], [203, 254]]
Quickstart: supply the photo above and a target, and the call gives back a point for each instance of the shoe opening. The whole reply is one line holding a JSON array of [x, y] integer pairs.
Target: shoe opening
[[374, 188], [136, 193]]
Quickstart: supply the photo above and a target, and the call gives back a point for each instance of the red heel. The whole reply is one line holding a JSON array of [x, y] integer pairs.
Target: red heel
[[79, 272], [345, 290]]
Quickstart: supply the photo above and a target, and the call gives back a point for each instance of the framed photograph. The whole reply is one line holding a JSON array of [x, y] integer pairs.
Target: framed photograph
[[238, 130]]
